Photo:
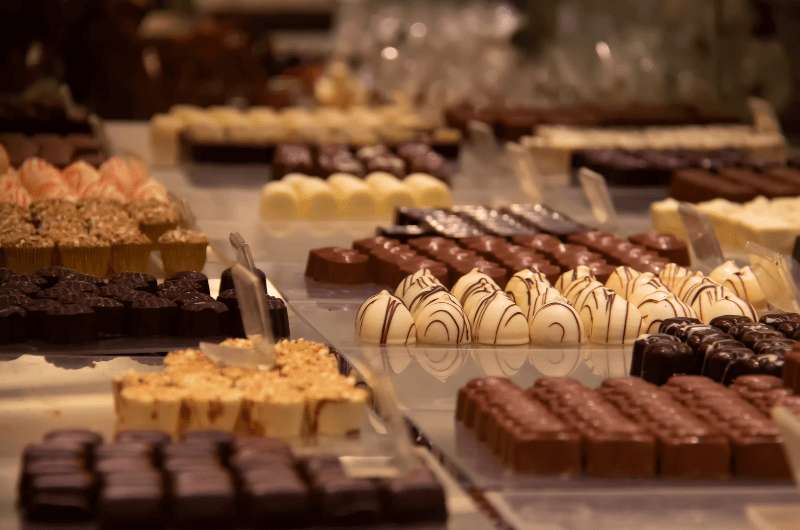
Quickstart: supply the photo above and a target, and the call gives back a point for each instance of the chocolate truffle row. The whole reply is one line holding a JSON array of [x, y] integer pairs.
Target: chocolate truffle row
[[322, 161], [209, 479], [730, 346], [61, 305]]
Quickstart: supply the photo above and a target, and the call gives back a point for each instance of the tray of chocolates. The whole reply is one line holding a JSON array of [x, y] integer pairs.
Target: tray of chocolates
[[213, 479], [59, 309], [232, 136], [497, 241], [626, 428]]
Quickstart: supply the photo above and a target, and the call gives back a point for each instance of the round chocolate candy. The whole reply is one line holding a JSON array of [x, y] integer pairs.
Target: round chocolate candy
[[643, 342], [677, 325], [715, 365], [728, 322], [198, 279], [150, 315], [140, 281]]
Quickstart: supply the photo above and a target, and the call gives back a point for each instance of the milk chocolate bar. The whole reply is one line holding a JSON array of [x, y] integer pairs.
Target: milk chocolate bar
[[755, 442], [688, 447], [613, 445]]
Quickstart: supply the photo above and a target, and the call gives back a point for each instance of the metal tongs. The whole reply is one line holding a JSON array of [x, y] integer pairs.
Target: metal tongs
[[252, 297]]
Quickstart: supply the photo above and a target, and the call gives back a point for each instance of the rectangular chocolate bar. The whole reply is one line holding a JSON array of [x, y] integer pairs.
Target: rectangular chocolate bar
[[613, 445], [697, 185], [755, 441], [688, 447]]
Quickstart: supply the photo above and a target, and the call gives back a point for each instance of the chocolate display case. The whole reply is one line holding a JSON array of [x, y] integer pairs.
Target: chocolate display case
[[426, 379], [59, 392]]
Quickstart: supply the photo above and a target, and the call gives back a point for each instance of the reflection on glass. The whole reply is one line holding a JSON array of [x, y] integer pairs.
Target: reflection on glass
[[554, 362], [441, 363], [397, 360], [500, 363], [608, 363]]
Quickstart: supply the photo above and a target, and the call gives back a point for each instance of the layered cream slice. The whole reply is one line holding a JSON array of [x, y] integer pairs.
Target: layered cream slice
[[302, 395]]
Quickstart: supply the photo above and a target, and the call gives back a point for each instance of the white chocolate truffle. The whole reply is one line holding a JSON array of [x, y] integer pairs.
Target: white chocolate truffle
[[711, 300], [469, 282], [496, 320], [524, 286], [556, 324], [428, 191], [383, 319], [412, 284], [544, 297], [571, 276], [620, 278], [580, 288], [643, 286], [686, 286], [672, 272], [658, 306], [389, 192], [614, 322], [354, 196], [745, 285], [722, 271], [279, 202], [164, 133], [316, 199], [443, 322]]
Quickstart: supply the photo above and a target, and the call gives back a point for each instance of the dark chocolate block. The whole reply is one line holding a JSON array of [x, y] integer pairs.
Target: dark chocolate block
[[110, 315], [151, 315], [156, 439], [126, 449], [83, 437], [197, 279], [279, 317], [70, 324], [696, 185], [202, 319], [139, 281], [763, 184], [226, 280], [131, 500], [64, 497], [220, 440], [203, 499], [338, 265], [347, 501], [233, 322], [662, 360], [13, 324], [639, 349], [275, 499], [122, 464], [46, 466], [54, 451], [414, 497]]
